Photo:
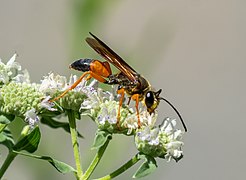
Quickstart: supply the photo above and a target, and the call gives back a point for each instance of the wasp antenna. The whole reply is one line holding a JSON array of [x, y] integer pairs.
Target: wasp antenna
[[92, 35], [181, 119]]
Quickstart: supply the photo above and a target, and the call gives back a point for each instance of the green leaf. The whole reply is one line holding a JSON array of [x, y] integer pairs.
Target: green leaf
[[6, 119], [6, 138], [60, 166], [29, 142], [147, 167], [49, 121], [100, 139]]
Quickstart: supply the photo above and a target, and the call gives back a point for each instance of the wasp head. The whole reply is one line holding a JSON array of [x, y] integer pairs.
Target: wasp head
[[152, 100]]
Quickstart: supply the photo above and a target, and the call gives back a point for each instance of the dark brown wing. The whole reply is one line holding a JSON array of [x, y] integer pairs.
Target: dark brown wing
[[108, 54]]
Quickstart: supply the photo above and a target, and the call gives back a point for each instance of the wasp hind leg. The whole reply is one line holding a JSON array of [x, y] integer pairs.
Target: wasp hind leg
[[90, 75], [71, 87]]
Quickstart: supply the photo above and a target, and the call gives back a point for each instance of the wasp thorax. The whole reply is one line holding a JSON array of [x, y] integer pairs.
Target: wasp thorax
[[152, 100]]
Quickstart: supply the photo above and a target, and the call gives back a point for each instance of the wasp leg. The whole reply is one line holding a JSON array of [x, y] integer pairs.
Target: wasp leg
[[135, 97], [90, 75], [72, 87], [122, 93]]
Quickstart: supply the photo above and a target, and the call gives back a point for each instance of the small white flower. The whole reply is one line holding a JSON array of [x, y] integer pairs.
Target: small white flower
[[154, 134], [148, 119], [47, 104], [168, 125], [93, 100], [95, 97], [13, 66], [10, 70], [174, 150], [112, 117], [174, 136], [104, 116], [51, 83], [149, 135], [4, 78], [144, 134], [94, 84], [131, 122], [22, 78], [107, 114], [72, 80], [31, 117]]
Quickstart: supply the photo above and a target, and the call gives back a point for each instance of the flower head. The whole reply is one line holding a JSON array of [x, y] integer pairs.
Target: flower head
[[53, 85], [173, 139], [103, 107], [162, 142], [18, 98]]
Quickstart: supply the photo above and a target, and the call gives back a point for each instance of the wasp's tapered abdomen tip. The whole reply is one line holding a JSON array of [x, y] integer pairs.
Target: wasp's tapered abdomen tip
[[81, 65]]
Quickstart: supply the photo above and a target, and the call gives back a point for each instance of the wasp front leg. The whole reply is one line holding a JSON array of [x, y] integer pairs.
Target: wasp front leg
[[135, 97], [122, 93]]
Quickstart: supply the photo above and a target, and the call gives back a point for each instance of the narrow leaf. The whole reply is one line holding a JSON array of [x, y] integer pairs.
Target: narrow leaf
[[100, 139], [30, 142], [60, 166], [49, 121], [146, 168]]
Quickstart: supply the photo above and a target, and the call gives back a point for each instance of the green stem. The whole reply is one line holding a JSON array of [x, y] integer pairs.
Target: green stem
[[12, 154], [122, 169], [75, 143], [7, 162], [96, 160]]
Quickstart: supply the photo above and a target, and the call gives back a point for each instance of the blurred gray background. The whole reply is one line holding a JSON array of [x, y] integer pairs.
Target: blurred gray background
[[194, 50]]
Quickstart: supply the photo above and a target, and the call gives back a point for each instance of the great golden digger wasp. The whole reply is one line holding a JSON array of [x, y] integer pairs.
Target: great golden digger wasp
[[128, 80]]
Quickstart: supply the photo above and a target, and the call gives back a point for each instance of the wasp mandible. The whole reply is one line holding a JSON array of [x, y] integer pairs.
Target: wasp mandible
[[128, 80]]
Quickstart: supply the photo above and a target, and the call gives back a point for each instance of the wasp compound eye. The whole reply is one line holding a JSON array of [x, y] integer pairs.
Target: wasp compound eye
[[149, 99]]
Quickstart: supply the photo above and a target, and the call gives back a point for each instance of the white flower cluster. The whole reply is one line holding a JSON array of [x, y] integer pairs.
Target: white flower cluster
[[174, 137], [53, 83], [102, 106], [11, 71], [164, 141]]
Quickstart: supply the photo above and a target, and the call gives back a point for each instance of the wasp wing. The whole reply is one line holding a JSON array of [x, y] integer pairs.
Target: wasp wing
[[108, 54]]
